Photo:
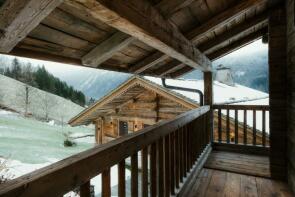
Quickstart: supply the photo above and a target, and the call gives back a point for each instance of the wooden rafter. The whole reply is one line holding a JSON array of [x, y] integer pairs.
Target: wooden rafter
[[121, 40], [19, 17], [226, 50], [142, 21], [168, 68], [107, 49], [232, 33], [148, 62], [218, 21], [237, 44], [223, 18], [168, 7]]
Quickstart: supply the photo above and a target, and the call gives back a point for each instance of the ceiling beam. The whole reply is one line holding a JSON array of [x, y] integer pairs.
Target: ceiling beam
[[168, 7], [217, 21], [19, 17], [120, 40], [142, 21], [231, 33], [234, 32], [148, 62], [226, 50], [237, 44], [168, 68], [223, 18], [107, 49]]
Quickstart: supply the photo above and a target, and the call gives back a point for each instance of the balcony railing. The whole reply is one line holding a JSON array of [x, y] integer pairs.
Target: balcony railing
[[172, 152], [241, 125]]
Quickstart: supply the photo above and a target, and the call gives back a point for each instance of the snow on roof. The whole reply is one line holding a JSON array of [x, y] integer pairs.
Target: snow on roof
[[223, 94]]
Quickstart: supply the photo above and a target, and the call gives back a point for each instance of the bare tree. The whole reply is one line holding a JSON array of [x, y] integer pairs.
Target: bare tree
[[47, 105], [25, 95]]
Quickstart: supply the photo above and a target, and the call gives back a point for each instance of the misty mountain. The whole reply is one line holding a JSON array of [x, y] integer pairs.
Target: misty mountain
[[249, 66], [93, 82]]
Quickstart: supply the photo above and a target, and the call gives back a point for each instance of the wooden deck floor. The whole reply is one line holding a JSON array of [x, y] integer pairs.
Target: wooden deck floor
[[237, 175], [239, 163], [215, 183]]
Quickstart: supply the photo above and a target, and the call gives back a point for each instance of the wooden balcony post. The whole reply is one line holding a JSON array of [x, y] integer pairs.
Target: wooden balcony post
[[208, 99], [278, 92], [99, 131]]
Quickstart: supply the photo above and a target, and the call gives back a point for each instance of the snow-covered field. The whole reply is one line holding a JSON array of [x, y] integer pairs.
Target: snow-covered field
[[27, 145]]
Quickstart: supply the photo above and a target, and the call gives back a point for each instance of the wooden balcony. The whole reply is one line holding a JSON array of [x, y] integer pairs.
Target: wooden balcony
[[176, 159]]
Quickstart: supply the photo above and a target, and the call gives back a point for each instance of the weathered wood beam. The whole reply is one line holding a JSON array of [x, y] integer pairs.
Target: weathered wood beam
[[234, 32], [226, 50], [142, 21], [107, 49], [168, 7], [19, 17], [168, 68], [148, 62], [223, 18], [218, 21], [111, 46], [181, 72], [237, 44]]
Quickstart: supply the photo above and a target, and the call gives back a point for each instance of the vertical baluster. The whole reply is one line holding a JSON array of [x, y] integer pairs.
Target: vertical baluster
[[167, 166], [144, 166], [263, 128], [254, 127], [121, 179], [219, 125], [245, 127], [187, 148], [177, 159], [153, 173], [181, 155], [85, 189], [106, 183], [236, 127], [185, 151], [202, 129], [188, 129], [172, 163], [160, 167], [134, 175], [227, 127]]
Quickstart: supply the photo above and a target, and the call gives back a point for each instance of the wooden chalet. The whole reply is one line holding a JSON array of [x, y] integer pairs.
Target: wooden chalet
[[166, 38], [140, 102]]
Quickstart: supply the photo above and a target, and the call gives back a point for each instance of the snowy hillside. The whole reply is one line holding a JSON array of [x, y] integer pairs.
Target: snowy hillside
[[40, 103], [223, 94]]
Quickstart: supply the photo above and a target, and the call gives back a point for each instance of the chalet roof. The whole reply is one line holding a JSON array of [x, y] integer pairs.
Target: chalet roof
[[126, 92], [152, 37]]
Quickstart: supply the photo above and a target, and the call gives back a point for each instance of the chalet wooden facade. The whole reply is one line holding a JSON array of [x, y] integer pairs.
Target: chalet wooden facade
[[166, 38], [139, 102]]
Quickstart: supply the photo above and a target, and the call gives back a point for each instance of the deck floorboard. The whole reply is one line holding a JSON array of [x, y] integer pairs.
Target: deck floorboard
[[233, 174], [239, 163]]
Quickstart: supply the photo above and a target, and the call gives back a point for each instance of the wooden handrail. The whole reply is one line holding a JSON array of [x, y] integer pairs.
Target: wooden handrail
[[75, 171], [242, 107]]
